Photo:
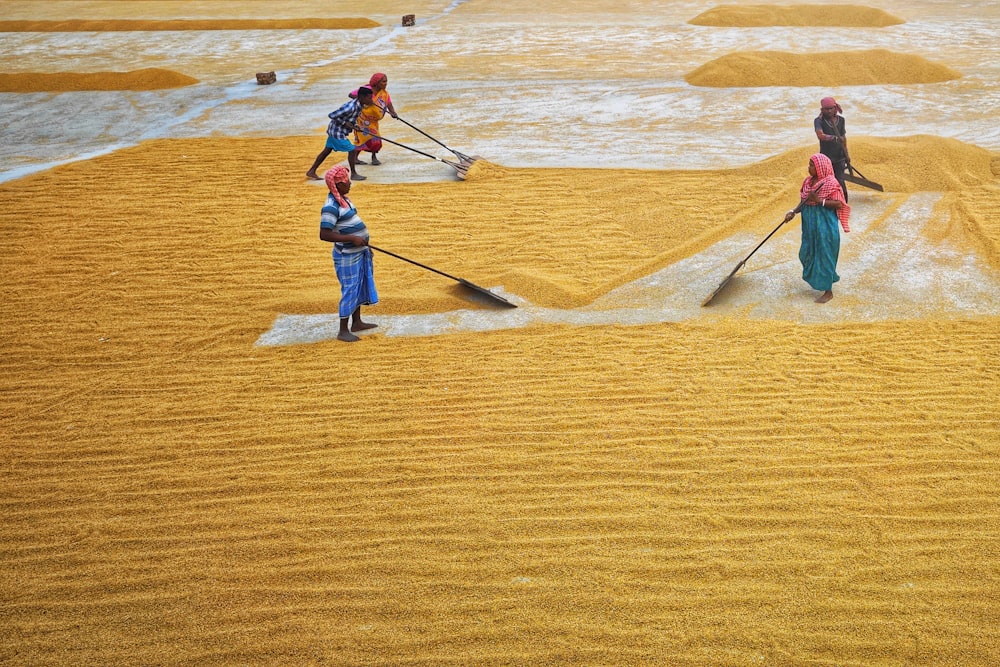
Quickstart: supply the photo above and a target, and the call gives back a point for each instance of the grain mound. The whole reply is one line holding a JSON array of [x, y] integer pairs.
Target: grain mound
[[126, 25], [60, 82], [852, 68], [484, 169], [920, 163], [758, 16]]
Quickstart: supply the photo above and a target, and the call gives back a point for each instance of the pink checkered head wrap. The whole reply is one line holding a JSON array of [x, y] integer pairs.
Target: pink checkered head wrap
[[826, 186], [339, 174]]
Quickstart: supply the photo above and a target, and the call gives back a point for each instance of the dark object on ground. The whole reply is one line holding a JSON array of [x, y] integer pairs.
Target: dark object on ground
[[852, 175]]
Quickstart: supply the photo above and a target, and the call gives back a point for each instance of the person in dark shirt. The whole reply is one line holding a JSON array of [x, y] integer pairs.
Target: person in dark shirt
[[832, 134]]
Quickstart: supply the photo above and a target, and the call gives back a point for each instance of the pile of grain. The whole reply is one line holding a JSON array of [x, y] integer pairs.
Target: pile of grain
[[120, 25], [749, 69], [142, 79], [485, 169], [919, 163], [756, 16]]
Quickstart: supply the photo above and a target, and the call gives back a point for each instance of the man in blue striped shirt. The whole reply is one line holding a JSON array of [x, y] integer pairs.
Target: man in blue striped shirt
[[341, 225], [342, 123]]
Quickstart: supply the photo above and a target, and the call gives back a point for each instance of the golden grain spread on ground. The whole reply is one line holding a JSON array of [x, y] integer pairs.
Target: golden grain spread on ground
[[749, 69], [180, 478], [724, 491], [144, 79], [101, 25], [759, 16]]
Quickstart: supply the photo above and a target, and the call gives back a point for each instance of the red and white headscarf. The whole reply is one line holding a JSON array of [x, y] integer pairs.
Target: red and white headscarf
[[376, 77], [339, 174], [825, 186]]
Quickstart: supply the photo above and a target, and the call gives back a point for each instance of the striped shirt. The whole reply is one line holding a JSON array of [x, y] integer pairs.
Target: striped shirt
[[343, 221], [343, 119]]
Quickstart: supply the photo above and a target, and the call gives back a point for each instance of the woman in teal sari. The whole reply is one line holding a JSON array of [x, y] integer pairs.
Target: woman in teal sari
[[824, 212]]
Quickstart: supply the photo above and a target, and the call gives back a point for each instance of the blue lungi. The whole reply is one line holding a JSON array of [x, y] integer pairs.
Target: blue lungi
[[356, 274]]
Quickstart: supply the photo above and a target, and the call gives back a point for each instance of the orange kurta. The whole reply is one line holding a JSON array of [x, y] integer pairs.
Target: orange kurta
[[370, 116]]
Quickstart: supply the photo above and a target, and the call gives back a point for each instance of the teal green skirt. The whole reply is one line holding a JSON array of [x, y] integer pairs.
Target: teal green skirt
[[820, 247]]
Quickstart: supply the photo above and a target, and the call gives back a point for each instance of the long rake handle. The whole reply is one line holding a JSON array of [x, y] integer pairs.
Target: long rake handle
[[773, 231], [462, 156], [842, 139], [855, 170], [422, 266], [850, 167], [433, 157], [745, 259]]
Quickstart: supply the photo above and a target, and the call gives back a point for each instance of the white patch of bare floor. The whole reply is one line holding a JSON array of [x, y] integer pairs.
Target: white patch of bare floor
[[890, 270]]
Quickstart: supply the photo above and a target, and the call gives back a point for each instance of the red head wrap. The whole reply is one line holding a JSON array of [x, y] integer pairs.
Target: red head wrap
[[830, 102]]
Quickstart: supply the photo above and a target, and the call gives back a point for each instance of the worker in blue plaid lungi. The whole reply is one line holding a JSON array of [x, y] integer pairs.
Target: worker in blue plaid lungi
[[341, 225]]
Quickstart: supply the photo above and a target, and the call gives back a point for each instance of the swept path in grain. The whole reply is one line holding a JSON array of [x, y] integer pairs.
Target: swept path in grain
[[890, 271]]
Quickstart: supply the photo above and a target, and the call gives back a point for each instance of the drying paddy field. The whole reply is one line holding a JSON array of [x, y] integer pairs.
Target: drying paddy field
[[196, 472]]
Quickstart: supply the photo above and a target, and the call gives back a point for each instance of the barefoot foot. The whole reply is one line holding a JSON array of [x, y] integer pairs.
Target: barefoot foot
[[312, 175], [824, 297], [347, 337], [363, 326], [358, 177], [375, 161]]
